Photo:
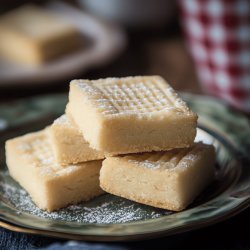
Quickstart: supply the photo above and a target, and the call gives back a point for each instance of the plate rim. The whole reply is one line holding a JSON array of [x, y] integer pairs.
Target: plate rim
[[133, 237]]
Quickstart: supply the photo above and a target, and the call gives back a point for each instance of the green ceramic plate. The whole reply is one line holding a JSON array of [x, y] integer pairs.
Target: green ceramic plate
[[112, 218]]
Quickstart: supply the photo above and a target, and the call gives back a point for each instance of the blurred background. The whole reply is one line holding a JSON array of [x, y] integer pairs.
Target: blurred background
[[152, 43], [198, 46]]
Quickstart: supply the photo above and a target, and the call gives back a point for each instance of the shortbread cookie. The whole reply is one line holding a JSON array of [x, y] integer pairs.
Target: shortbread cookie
[[31, 163], [169, 180], [34, 35], [131, 114], [68, 143]]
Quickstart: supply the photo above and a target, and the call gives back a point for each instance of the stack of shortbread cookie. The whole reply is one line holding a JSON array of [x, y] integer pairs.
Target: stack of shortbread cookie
[[132, 137]]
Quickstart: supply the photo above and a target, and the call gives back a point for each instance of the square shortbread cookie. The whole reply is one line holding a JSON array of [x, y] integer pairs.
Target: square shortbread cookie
[[31, 34], [31, 163], [131, 114], [68, 143], [169, 180]]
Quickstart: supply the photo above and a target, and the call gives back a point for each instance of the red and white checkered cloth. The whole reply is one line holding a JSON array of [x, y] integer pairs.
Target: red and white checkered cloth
[[218, 35]]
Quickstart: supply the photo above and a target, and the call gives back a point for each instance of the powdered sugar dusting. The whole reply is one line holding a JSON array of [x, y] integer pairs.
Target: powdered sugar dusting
[[166, 160], [147, 164], [140, 96], [63, 120], [104, 209], [37, 150]]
